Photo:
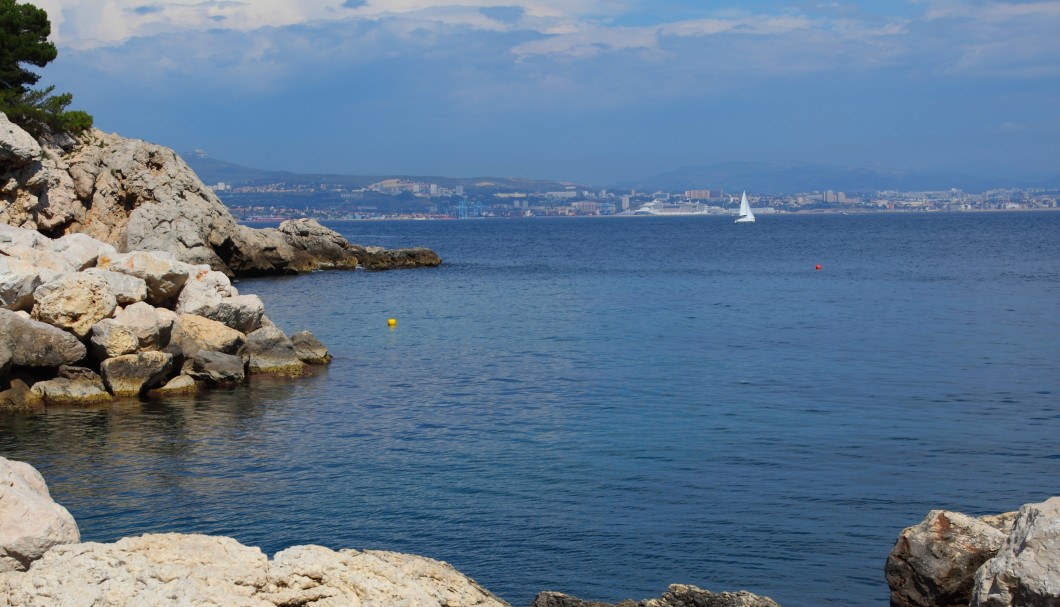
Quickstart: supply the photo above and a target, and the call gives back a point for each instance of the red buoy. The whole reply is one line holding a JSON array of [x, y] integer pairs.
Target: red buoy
[[818, 267]]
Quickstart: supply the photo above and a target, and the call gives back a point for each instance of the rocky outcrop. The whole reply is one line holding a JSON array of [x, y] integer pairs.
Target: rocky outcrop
[[677, 595], [309, 349], [953, 560], [175, 569], [933, 563], [30, 522], [117, 308], [134, 195], [1026, 570]]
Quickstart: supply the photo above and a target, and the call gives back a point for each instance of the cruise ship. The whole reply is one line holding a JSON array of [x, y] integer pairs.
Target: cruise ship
[[662, 207]]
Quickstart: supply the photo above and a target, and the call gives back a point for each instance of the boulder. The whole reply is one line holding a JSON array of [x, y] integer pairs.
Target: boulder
[[110, 338], [215, 368], [165, 277], [378, 258], [152, 327], [20, 398], [127, 289], [80, 251], [73, 386], [1026, 570], [30, 522], [193, 333], [933, 564], [133, 374], [309, 349], [315, 245], [677, 595], [175, 569], [38, 257], [17, 147], [18, 280], [203, 293], [74, 302], [273, 353], [5, 362], [179, 385], [36, 344]]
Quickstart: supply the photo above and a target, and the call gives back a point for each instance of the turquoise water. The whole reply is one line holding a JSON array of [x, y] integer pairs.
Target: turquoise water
[[606, 406]]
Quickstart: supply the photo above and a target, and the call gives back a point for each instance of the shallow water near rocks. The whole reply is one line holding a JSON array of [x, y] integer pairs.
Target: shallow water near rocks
[[606, 406]]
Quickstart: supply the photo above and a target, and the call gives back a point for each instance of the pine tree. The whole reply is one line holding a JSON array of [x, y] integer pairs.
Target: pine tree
[[24, 31]]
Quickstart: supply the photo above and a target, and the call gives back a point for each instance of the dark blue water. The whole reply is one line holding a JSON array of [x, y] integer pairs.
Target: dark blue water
[[606, 406]]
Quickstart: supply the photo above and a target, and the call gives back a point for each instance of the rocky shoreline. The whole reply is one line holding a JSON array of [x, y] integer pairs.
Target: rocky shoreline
[[115, 266], [948, 560]]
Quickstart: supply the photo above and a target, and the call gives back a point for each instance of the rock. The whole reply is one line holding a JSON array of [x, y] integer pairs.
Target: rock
[[127, 289], [203, 293], [933, 564], [5, 362], [165, 277], [80, 251], [378, 258], [152, 327], [30, 522], [1026, 570], [309, 349], [215, 368], [174, 569], [74, 302], [17, 147], [193, 333], [20, 398], [110, 338], [273, 353], [316, 246], [74, 386], [30, 238], [133, 374], [18, 280], [36, 344], [179, 385], [39, 258], [677, 595]]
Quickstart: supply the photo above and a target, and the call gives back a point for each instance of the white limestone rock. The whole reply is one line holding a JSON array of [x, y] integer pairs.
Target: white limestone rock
[[134, 374], [165, 277], [80, 251], [18, 280], [272, 352], [36, 344], [152, 326], [127, 289], [17, 147], [74, 302], [175, 569], [30, 522], [1026, 570], [110, 338]]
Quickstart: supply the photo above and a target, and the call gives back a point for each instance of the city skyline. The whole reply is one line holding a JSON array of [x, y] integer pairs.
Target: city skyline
[[587, 90]]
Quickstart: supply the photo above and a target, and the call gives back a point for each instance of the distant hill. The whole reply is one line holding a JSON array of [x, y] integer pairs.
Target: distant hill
[[788, 178], [212, 171]]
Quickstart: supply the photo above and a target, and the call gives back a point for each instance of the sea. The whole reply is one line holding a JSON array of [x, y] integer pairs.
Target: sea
[[606, 406]]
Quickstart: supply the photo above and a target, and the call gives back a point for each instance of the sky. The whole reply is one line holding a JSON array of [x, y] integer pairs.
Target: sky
[[591, 91]]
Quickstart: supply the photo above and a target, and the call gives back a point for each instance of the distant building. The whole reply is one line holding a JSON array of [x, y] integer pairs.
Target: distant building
[[698, 194]]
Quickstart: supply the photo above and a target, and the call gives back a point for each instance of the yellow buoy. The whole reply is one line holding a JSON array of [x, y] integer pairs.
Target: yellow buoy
[[391, 322]]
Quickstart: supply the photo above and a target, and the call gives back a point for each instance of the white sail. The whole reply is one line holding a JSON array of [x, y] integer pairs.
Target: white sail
[[746, 216]]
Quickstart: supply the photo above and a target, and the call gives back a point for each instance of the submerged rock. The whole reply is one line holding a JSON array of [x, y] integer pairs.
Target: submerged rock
[[677, 595]]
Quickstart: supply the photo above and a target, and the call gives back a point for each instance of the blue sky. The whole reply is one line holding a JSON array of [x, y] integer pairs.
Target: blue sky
[[595, 91]]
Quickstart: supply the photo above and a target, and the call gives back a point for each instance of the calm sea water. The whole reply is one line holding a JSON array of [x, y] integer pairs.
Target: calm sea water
[[606, 406]]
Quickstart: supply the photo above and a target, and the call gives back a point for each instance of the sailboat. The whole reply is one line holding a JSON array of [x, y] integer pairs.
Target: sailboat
[[746, 216]]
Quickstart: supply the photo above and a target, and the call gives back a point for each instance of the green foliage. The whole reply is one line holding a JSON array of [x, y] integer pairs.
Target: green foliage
[[24, 31]]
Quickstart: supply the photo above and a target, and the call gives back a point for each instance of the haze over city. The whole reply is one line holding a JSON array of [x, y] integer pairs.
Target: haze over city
[[589, 90]]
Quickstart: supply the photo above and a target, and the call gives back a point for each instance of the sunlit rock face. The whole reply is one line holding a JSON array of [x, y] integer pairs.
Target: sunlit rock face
[[134, 195]]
